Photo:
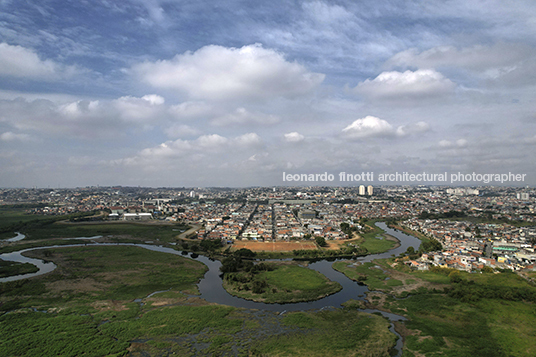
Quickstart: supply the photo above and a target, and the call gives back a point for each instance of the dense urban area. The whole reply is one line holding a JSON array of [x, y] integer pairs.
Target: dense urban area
[[477, 227]]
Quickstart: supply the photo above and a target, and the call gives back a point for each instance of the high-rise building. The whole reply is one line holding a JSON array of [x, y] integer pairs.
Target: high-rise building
[[523, 196], [362, 190], [370, 190]]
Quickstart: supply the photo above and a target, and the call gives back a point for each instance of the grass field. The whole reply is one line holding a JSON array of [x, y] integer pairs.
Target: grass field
[[447, 323], [86, 307], [16, 219], [101, 273], [342, 332], [41, 227], [13, 268], [148, 231], [368, 273], [374, 240], [286, 283]]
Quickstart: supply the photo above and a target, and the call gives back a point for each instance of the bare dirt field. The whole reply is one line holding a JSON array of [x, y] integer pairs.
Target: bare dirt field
[[336, 244], [274, 246]]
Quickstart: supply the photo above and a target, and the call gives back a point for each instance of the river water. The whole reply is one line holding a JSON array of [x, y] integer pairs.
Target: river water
[[211, 288]]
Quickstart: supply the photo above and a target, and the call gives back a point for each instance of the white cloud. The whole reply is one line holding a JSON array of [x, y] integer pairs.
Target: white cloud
[[503, 63], [153, 99], [213, 141], [17, 61], [453, 144], [221, 73], [211, 148], [249, 139], [146, 108], [9, 136], [368, 126], [20, 62], [83, 118], [477, 57], [190, 110], [165, 150], [324, 13], [75, 110], [294, 137], [416, 128], [418, 84], [461, 142], [180, 131], [242, 116]]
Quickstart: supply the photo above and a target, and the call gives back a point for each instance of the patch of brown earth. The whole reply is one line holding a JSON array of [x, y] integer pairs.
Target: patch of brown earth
[[337, 244], [275, 246], [106, 305]]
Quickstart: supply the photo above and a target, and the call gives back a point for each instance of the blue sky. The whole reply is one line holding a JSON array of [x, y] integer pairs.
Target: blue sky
[[234, 93]]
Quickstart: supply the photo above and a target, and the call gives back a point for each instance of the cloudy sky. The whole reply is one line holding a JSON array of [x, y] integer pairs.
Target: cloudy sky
[[234, 93]]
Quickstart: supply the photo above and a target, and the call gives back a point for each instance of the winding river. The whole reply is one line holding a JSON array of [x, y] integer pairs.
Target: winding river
[[211, 288]]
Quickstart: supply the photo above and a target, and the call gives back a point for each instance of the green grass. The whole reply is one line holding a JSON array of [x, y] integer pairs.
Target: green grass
[[42, 334], [13, 268], [162, 232], [13, 217], [16, 219], [106, 272], [367, 273], [342, 332], [447, 327], [467, 321], [512, 325], [173, 321], [375, 245], [287, 283], [50, 242]]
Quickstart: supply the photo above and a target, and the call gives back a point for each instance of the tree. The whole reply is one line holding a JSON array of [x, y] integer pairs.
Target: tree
[[230, 264], [245, 253], [487, 269], [320, 241], [455, 277]]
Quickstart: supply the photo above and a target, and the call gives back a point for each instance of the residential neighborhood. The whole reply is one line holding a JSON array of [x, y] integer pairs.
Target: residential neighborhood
[[477, 227]]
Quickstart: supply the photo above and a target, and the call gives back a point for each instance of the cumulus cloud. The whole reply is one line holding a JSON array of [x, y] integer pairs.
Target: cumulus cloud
[[242, 116], [145, 108], [403, 85], [75, 110], [512, 63], [180, 131], [249, 139], [371, 126], [409, 129], [190, 110], [10, 136], [453, 144], [21, 62], [294, 137], [82, 118], [368, 126], [221, 73], [210, 147]]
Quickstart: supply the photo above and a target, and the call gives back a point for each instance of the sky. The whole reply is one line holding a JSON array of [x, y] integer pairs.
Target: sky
[[169, 93]]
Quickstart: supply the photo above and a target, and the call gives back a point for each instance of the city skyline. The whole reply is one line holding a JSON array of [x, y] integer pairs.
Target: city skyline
[[169, 94]]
